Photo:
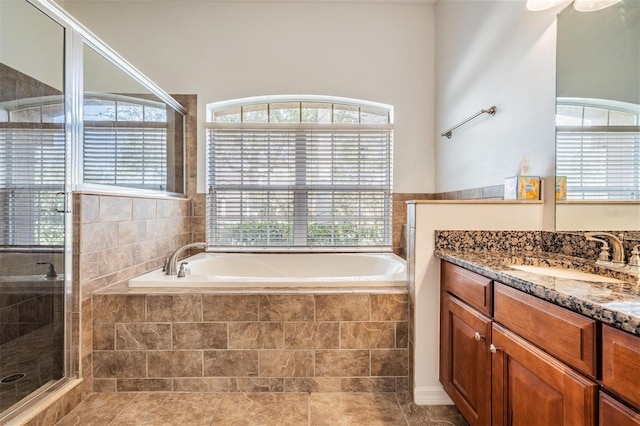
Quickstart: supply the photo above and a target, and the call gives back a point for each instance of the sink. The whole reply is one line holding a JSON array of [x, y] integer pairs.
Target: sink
[[572, 274]]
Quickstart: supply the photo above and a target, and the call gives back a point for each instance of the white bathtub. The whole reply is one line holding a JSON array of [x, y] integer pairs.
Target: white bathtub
[[293, 270]]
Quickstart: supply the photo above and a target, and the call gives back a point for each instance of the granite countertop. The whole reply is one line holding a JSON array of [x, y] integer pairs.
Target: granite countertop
[[616, 304]]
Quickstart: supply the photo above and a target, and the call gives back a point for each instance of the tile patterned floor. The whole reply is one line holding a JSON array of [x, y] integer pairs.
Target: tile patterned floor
[[206, 409]]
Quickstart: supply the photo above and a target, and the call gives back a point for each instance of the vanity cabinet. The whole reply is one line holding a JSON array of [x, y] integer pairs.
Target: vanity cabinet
[[510, 358], [620, 373], [615, 413], [465, 360], [530, 387]]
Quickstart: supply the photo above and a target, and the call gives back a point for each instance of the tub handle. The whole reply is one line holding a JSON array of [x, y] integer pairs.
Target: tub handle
[[182, 272]]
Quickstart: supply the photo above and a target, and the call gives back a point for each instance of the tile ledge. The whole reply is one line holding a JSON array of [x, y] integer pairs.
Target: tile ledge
[[475, 202]]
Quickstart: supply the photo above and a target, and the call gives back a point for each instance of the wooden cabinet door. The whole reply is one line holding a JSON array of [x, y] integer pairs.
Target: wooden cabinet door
[[465, 360], [529, 387], [615, 413], [621, 364]]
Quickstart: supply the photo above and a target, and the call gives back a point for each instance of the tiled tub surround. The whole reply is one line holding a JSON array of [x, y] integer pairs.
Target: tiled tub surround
[[208, 341], [616, 304]]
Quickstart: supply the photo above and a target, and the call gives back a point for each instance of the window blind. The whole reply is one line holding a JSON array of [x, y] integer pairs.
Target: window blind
[[126, 155], [297, 186], [597, 164], [31, 173]]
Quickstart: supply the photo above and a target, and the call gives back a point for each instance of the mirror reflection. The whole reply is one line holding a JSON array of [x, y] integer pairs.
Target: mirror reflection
[[598, 119], [131, 138]]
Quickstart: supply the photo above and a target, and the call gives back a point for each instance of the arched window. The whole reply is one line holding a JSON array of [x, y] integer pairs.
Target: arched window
[[308, 172], [598, 148]]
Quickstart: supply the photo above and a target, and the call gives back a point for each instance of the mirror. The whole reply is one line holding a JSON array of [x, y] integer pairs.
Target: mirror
[[598, 119], [131, 137]]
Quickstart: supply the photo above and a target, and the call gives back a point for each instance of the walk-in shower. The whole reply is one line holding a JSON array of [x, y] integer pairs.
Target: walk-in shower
[[74, 116], [32, 202]]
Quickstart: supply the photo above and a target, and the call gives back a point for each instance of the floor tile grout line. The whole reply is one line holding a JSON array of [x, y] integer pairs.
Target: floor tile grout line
[[215, 413], [404, 416], [124, 408]]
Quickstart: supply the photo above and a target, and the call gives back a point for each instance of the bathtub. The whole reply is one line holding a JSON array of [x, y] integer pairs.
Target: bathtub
[[290, 270]]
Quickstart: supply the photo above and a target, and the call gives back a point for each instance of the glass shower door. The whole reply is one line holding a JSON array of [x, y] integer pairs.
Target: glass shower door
[[32, 188]]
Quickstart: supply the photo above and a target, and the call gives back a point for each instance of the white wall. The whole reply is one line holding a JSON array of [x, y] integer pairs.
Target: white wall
[[381, 52], [494, 53], [31, 42], [430, 217]]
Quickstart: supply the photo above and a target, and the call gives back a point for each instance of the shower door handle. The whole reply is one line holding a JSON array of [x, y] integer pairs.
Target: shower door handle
[[64, 202]]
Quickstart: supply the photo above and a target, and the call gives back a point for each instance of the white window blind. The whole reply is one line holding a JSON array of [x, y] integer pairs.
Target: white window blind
[[599, 164], [132, 156], [299, 185], [31, 174]]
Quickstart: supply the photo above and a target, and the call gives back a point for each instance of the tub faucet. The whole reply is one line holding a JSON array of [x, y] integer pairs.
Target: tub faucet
[[618, 248], [172, 264], [51, 273]]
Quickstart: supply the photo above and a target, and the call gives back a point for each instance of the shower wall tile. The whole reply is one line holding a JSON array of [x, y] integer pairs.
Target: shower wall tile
[[143, 336], [114, 209], [174, 363], [340, 363], [255, 335], [286, 363], [205, 385], [363, 335]]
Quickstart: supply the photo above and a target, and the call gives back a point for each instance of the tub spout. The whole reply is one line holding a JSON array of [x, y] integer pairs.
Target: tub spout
[[172, 265]]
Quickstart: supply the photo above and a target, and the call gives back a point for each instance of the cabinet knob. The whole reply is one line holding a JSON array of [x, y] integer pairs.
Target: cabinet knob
[[478, 336], [492, 348]]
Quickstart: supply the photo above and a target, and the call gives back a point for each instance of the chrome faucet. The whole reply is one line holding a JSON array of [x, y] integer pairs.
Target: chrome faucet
[[172, 264], [618, 248], [51, 273]]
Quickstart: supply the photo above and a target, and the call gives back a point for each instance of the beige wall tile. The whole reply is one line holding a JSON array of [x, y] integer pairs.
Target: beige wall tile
[[369, 384], [312, 384], [89, 208], [230, 308], [389, 307], [230, 363], [392, 362], [205, 384], [367, 335], [256, 384], [287, 307], [311, 335], [342, 363], [104, 336], [130, 232], [174, 363], [113, 209], [98, 236], [119, 364], [402, 335], [144, 385], [286, 363], [255, 335], [342, 307], [143, 208], [143, 336], [199, 336], [182, 308], [118, 308], [104, 385]]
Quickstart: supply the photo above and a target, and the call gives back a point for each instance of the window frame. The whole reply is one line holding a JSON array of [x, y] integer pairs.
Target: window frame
[[301, 190]]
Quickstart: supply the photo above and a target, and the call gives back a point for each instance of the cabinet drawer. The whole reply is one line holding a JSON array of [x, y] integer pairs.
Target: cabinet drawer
[[566, 335], [621, 364], [614, 413], [474, 289]]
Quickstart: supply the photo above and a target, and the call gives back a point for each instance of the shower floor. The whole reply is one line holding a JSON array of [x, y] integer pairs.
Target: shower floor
[[37, 355], [257, 408]]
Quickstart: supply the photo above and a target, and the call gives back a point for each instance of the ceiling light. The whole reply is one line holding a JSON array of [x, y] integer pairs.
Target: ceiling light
[[579, 5], [539, 5], [592, 5]]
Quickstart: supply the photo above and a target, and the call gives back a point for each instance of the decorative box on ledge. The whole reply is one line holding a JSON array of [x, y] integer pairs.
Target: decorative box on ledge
[[522, 188]]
